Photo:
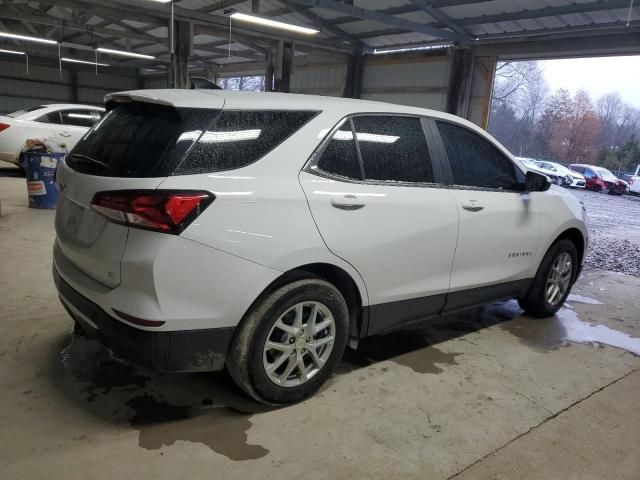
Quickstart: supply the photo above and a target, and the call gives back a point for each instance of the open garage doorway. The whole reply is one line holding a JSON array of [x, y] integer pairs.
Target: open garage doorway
[[582, 114], [584, 110]]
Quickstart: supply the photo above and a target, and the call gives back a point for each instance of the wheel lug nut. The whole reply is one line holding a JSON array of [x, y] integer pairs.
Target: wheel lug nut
[[292, 340], [308, 339]]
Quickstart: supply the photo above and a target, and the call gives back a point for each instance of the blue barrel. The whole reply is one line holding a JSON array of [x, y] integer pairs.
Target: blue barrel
[[40, 169]]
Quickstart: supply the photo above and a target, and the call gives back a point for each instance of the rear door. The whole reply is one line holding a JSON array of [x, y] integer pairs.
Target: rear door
[[379, 205], [134, 146], [499, 227]]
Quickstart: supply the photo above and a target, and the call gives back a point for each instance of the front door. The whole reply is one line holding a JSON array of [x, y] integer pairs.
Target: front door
[[379, 207], [499, 228]]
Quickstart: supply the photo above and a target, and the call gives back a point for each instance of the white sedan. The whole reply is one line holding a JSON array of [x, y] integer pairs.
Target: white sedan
[[577, 180], [66, 123]]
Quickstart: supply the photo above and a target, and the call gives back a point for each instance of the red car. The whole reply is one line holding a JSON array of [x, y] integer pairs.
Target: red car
[[599, 179]]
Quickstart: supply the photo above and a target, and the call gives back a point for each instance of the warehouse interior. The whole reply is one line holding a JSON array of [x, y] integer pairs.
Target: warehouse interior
[[490, 394]]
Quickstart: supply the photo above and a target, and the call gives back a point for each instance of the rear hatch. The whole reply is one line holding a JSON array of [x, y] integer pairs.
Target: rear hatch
[[135, 146]]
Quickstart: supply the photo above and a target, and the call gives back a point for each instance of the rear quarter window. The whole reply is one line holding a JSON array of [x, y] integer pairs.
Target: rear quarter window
[[238, 138]]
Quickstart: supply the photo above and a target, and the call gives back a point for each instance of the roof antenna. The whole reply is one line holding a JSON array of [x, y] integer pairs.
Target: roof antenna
[[629, 16]]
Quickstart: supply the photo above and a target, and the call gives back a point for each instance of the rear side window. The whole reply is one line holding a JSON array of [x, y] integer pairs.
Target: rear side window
[[340, 156], [393, 148], [80, 118], [239, 138], [139, 140], [475, 162]]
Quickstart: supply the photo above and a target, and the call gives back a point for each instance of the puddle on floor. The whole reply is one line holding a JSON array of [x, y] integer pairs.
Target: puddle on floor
[[574, 297], [221, 429], [565, 328], [163, 408]]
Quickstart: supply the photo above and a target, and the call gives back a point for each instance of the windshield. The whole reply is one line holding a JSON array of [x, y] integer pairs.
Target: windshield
[[606, 174]]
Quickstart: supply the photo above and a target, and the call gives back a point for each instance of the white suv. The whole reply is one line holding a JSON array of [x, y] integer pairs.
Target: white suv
[[264, 233]]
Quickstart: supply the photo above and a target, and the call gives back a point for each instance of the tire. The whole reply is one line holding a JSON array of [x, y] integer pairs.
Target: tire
[[249, 358], [537, 302]]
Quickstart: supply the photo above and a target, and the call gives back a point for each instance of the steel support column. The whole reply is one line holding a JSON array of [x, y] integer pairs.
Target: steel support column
[[353, 86], [284, 60], [179, 77], [460, 77]]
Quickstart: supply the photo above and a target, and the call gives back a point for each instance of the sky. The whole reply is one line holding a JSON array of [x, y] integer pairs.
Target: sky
[[597, 76]]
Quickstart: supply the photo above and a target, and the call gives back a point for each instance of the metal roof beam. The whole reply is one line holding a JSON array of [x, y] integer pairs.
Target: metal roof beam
[[546, 12], [378, 17], [441, 17]]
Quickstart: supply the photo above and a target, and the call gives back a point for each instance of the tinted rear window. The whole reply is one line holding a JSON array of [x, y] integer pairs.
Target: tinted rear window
[[147, 140], [139, 140], [239, 138]]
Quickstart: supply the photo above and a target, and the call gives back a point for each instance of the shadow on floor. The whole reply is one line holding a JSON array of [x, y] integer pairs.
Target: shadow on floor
[[208, 408]]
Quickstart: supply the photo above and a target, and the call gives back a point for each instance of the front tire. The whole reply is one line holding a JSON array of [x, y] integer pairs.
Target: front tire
[[553, 281], [289, 342]]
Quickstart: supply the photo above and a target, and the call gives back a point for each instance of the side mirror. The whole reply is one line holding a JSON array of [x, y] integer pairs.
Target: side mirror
[[537, 182]]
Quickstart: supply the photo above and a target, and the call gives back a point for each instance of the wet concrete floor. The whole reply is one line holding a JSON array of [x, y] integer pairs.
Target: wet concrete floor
[[458, 399]]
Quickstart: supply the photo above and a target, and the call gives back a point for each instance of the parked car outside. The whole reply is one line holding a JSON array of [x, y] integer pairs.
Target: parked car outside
[[634, 182], [66, 123], [572, 179], [553, 175], [264, 232], [600, 179]]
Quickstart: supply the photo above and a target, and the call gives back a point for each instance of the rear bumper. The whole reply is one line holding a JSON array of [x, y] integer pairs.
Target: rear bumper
[[175, 351]]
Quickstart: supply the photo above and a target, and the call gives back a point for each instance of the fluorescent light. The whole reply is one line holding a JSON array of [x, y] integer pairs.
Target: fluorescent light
[[84, 62], [27, 38], [221, 137], [124, 53], [84, 116], [273, 23], [12, 52], [365, 137], [435, 46]]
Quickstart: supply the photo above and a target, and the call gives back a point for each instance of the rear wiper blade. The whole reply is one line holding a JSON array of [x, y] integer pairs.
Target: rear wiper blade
[[89, 159]]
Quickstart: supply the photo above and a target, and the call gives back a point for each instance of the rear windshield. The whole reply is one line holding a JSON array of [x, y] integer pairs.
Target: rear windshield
[[147, 140], [139, 140]]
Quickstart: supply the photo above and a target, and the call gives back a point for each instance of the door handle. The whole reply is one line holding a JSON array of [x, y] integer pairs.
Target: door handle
[[472, 206], [347, 202], [65, 134]]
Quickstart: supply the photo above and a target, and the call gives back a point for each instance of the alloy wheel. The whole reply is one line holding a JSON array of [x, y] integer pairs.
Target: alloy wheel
[[299, 344], [559, 278]]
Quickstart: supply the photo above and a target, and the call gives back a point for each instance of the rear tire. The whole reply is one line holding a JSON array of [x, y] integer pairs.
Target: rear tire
[[553, 281], [277, 356]]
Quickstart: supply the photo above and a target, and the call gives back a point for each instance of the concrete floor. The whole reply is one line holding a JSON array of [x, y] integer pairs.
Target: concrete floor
[[489, 395]]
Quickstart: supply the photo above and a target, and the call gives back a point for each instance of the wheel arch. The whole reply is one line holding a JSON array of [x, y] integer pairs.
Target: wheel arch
[[335, 275], [576, 236]]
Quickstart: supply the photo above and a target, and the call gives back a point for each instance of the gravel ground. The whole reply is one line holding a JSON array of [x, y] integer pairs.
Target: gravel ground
[[614, 231]]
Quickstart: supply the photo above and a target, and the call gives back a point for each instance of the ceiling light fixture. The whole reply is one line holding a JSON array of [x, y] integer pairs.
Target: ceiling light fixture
[[84, 62], [273, 23], [124, 53], [12, 52], [417, 48], [27, 38]]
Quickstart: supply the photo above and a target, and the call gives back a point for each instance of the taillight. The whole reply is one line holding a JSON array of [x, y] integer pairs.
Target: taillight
[[168, 211], [4, 126]]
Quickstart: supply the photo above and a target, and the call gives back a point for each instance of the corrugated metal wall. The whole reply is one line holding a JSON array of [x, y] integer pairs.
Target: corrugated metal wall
[[44, 84], [319, 80], [418, 81]]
